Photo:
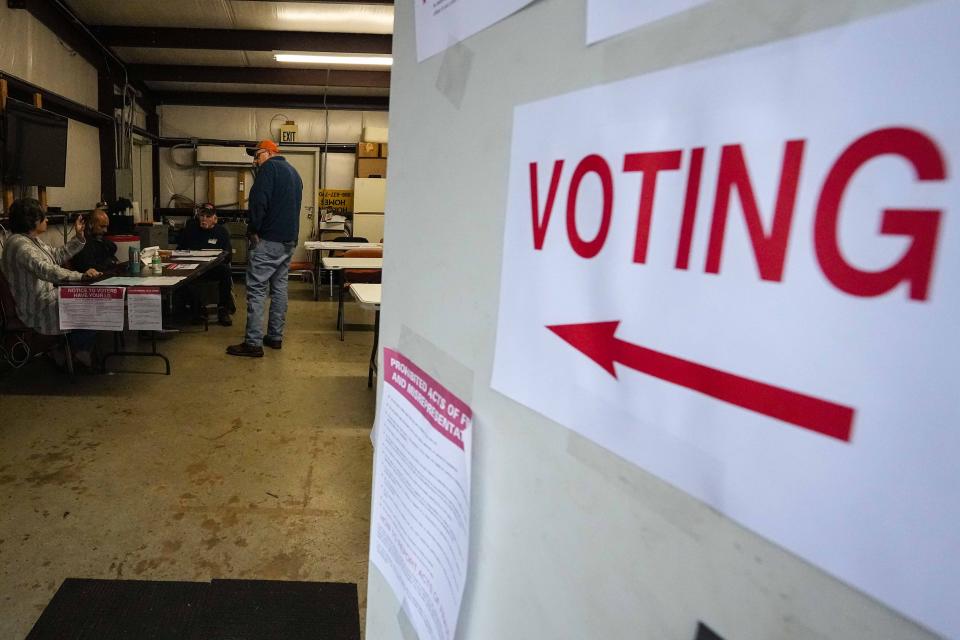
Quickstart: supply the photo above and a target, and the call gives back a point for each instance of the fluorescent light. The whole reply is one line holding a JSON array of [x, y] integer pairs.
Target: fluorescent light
[[333, 59]]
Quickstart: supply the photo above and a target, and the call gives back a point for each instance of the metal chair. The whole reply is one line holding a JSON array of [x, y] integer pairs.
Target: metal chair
[[348, 276], [18, 342], [337, 254]]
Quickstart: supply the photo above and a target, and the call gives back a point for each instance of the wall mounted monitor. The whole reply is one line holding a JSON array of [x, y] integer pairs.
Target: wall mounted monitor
[[34, 146]]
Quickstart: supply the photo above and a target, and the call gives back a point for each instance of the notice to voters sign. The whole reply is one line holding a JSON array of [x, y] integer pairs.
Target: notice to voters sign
[[743, 275]]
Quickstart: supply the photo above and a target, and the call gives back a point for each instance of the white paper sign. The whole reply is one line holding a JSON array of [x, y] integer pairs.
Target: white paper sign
[[419, 534], [97, 308], [608, 18], [144, 309], [443, 23], [743, 275]]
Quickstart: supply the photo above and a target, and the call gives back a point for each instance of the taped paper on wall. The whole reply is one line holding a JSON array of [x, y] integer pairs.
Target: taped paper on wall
[[753, 294], [608, 18], [420, 528], [443, 23]]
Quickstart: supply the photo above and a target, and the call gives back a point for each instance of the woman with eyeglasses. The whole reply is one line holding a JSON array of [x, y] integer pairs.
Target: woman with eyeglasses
[[31, 268]]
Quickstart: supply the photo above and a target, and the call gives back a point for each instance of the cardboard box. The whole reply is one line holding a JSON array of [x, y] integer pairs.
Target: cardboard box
[[369, 226], [371, 168], [383, 150], [368, 150], [369, 195], [374, 134]]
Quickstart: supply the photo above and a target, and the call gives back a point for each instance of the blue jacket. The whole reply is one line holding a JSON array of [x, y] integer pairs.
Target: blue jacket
[[275, 201]]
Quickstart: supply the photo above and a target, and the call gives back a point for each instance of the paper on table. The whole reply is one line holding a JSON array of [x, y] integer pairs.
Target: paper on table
[[147, 253], [194, 252], [161, 281], [196, 259], [154, 281], [118, 281], [184, 266]]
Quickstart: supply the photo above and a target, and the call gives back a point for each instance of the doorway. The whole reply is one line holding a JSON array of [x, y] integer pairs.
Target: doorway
[[306, 160]]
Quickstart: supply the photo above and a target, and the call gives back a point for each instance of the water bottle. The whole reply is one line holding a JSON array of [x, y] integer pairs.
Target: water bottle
[[134, 262], [156, 263]]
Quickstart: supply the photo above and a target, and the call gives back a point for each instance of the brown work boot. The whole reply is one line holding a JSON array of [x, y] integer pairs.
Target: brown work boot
[[244, 349]]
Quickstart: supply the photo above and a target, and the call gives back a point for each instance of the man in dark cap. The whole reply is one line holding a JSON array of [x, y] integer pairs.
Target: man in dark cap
[[203, 232]]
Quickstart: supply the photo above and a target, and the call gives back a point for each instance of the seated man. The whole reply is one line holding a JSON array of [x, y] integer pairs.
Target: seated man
[[98, 253], [203, 232]]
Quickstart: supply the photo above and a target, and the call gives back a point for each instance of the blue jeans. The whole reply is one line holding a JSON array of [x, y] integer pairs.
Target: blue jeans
[[268, 264]]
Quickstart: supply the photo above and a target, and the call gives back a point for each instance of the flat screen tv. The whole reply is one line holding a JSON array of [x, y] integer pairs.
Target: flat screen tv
[[34, 146]]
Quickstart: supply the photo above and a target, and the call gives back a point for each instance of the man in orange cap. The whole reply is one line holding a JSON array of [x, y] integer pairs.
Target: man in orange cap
[[273, 228]]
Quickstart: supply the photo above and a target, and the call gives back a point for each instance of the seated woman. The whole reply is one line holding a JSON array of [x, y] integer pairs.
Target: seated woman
[[31, 267]]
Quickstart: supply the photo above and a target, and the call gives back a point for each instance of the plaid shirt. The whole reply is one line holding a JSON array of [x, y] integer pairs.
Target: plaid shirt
[[31, 267]]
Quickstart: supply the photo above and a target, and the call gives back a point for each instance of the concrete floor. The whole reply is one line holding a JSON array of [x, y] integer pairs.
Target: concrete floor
[[228, 468]]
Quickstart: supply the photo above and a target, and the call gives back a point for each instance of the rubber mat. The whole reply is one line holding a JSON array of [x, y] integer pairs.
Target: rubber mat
[[219, 610], [268, 610], [115, 609]]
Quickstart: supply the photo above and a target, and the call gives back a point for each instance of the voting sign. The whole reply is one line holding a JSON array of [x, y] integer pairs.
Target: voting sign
[[743, 275]]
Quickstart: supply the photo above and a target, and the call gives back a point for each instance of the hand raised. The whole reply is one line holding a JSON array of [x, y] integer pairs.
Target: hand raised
[[78, 226]]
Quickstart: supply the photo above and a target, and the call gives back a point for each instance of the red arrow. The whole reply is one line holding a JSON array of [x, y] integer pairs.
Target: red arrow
[[597, 342]]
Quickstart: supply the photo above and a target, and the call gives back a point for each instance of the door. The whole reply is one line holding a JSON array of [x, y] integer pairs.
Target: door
[[306, 161]]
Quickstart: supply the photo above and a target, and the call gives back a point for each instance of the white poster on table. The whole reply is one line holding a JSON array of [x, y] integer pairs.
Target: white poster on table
[[743, 275], [97, 308], [443, 23], [608, 18], [419, 530], [144, 309]]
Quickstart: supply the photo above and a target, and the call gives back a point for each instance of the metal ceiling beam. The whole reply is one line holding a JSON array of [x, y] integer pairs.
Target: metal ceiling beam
[[243, 40], [262, 75], [272, 100], [24, 91]]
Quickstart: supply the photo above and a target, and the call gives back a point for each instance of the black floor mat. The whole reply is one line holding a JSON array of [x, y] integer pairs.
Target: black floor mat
[[221, 610], [268, 610], [114, 609]]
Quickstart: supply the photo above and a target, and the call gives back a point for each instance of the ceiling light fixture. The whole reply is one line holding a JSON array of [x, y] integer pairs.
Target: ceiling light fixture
[[313, 58]]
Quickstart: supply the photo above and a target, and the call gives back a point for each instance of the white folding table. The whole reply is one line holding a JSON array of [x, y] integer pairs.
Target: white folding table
[[339, 264], [368, 295]]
